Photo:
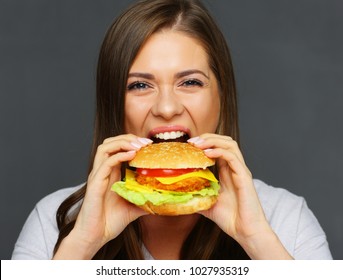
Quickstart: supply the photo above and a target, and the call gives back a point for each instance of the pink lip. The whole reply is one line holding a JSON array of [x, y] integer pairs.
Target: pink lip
[[168, 128]]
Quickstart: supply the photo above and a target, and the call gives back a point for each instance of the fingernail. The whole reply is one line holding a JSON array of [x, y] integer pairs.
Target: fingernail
[[145, 141], [193, 140], [208, 150], [196, 140], [136, 145]]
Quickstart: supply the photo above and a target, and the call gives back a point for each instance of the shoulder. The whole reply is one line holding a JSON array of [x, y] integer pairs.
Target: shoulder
[[39, 233], [51, 202], [273, 198], [46, 208], [293, 222], [280, 206]]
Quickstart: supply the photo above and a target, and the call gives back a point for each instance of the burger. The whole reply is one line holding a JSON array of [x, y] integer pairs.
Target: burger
[[169, 178]]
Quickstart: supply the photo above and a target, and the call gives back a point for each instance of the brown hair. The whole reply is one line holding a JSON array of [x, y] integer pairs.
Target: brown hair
[[122, 42]]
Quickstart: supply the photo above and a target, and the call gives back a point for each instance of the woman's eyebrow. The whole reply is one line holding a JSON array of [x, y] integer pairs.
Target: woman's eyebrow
[[178, 75], [190, 72], [147, 76]]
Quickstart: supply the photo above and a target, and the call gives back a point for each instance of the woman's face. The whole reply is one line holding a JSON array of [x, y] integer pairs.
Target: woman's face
[[171, 90]]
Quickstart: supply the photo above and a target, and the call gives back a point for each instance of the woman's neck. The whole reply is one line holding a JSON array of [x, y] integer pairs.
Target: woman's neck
[[163, 236]]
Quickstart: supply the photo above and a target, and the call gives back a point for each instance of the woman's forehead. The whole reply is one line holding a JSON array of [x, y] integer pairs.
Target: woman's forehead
[[170, 49]]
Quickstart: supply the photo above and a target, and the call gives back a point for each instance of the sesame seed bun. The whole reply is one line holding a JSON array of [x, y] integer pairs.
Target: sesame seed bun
[[171, 155]]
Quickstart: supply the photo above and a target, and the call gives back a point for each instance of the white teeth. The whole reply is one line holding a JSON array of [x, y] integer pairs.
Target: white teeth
[[170, 135]]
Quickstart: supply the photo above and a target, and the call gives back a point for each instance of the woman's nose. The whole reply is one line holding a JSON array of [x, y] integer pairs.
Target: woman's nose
[[167, 104]]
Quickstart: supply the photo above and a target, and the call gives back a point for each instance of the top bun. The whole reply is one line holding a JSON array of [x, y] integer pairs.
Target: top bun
[[171, 155]]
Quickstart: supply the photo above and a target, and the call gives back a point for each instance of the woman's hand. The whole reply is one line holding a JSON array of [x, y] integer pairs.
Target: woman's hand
[[103, 214], [238, 211]]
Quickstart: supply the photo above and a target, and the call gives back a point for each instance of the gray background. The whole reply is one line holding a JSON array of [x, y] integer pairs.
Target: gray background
[[288, 61]]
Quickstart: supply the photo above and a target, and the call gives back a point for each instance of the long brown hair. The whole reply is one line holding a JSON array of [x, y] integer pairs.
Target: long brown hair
[[122, 42]]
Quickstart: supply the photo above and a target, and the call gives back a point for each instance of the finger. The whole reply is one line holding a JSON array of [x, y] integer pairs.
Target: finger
[[121, 137], [208, 140], [100, 176], [134, 211], [114, 145], [240, 170]]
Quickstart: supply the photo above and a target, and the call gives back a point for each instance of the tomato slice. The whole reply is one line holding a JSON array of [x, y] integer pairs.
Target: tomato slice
[[159, 172]]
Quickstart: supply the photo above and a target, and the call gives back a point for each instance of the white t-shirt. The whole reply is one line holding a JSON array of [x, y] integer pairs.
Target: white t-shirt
[[288, 215]]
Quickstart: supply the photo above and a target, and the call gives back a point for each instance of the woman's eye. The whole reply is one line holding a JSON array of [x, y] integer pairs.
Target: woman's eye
[[192, 83], [137, 86]]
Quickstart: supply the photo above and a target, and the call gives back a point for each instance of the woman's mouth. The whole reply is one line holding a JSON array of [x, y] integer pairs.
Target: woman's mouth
[[171, 133], [172, 136]]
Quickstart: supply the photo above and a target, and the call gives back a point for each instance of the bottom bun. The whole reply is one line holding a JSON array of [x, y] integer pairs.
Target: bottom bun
[[194, 205]]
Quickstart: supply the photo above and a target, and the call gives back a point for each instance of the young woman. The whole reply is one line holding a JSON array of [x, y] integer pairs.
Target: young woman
[[164, 66]]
